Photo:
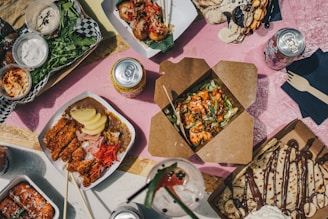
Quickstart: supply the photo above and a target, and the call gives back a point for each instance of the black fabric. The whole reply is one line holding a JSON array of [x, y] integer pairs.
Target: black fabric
[[315, 70], [273, 12]]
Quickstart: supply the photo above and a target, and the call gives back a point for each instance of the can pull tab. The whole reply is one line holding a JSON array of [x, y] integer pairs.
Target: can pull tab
[[291, 42], [129, 72]]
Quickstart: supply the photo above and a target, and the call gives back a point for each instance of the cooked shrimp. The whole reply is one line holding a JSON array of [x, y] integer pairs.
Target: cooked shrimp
[[196, 107], [197, 138], [203, 113], [188, 120], [198, 127], [217, 94], [203, 94]]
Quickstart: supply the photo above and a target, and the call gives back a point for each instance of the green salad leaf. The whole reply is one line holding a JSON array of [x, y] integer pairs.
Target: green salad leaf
[[66, 46]]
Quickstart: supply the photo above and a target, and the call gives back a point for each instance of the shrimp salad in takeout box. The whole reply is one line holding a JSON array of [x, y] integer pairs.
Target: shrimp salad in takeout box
[[208, 117], [204, 111]]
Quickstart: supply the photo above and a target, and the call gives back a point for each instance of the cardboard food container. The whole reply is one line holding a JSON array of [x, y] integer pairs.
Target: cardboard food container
[[234, 143], [297, 130]]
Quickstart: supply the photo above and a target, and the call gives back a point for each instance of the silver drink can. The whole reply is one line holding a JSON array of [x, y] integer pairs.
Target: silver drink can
[[129, 77], [284, 47], [127, 211]]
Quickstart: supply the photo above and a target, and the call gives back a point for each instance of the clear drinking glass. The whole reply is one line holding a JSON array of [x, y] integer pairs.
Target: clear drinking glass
[[191, 192]]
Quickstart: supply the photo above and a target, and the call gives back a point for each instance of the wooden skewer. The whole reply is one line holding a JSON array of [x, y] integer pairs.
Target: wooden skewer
[[163, 5], [179, 123], [168, 12], [66, 195], [81, 196]]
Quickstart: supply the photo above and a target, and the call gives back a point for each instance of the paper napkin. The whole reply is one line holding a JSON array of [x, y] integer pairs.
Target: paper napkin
[[315, 70]]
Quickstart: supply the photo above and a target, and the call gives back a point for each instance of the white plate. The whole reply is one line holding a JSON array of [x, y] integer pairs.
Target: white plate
[[23, 178], [183, 13], [59, 164]]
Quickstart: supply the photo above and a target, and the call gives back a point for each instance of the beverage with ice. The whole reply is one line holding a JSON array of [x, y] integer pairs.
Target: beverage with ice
[[177, 177]]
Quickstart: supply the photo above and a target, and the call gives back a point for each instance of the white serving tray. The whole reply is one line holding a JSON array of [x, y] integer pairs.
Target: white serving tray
[[183, 13], [59, 164]]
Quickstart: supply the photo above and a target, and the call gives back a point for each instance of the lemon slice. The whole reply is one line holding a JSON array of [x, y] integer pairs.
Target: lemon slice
[[84, 114]]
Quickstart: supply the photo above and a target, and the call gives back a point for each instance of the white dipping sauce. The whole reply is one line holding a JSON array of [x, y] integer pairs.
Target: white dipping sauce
[[32, 51]]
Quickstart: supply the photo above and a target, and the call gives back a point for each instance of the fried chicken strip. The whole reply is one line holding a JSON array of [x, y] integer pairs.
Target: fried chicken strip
[[52, 133], [79, 154], [66, 154], [63, 139]]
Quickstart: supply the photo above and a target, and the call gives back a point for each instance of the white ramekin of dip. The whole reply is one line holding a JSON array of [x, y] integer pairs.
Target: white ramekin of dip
[[42, 16], [15, 82], [30, 50]]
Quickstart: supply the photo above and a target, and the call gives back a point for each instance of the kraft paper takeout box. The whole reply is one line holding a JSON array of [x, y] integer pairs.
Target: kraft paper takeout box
[[297, 130], [234, 144]]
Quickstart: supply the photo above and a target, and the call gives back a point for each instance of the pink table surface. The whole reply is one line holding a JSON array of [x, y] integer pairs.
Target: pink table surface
[[273, 107]]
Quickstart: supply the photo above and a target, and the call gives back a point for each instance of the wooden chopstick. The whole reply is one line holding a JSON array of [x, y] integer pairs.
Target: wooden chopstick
[[66, 195], [81, 196]]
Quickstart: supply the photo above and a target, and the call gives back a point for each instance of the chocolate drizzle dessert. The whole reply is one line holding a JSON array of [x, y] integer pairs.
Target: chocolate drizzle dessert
[[288, 175]]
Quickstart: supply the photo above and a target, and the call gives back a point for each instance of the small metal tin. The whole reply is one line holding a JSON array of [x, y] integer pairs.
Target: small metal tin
[[128, 77], [127, 211], [284, 47]]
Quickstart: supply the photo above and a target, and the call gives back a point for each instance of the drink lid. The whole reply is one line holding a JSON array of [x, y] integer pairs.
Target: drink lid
[[127, 211], [127, 72], [291, 42]]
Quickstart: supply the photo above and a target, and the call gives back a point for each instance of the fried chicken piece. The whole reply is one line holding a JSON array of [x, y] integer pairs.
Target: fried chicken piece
[[85, 166], [79, 154], [52, 133], [86, 181], [95, 171], [9, 209], [82, 167], [63, 139], [72, 166], [93, 174], [66, 154], [28, 198]]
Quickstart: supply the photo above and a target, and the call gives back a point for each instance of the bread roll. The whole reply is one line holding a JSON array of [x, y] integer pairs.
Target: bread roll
[[214, 15]]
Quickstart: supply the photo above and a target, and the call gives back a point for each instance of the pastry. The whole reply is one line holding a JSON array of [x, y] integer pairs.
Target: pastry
[[246, 14], [286, 175]]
